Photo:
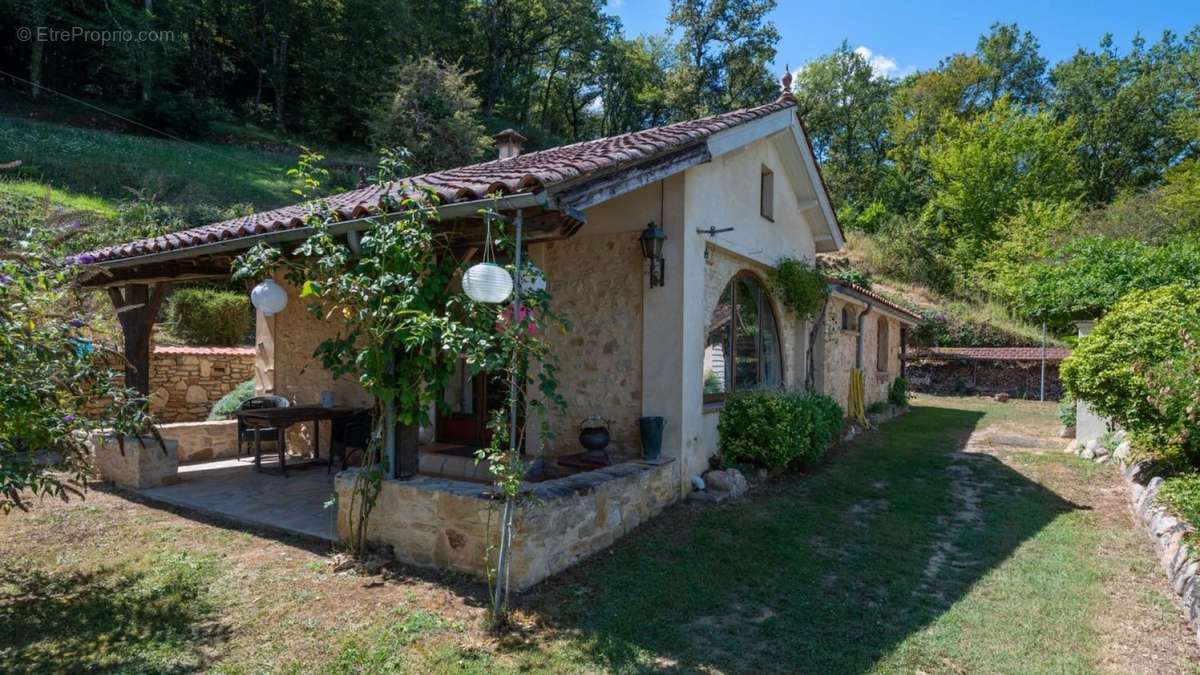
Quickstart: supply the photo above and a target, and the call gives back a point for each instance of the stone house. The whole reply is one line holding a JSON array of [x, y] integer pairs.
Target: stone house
[[734, 193]]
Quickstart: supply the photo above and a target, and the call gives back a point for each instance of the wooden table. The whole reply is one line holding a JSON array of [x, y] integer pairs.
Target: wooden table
[[282, 419]]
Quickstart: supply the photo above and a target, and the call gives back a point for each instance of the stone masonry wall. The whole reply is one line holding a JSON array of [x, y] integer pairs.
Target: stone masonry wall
[[595, 282], [444, 524], [841, 352], [1017, 379], [185, 382]]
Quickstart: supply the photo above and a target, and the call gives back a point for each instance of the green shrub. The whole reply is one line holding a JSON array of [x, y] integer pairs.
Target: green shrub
[[852, 277], [204, 316], [1107, 368], [1181, 495], [801, 287], [898, 392], [1175, 395], [224, 408], [1066, 411], [777, 429]]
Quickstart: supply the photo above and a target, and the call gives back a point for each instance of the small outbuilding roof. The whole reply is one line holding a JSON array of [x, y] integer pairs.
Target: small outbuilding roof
[[1053, 354], [869, 296]]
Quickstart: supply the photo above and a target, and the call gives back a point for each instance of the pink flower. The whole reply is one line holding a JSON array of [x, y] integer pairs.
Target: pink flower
[[525, 316]]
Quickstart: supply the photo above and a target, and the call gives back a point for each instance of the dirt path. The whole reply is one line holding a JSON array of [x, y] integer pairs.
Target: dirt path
[[1143, 630]]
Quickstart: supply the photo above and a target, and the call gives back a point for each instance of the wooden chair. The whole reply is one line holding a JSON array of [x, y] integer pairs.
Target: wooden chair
[[246, 433]]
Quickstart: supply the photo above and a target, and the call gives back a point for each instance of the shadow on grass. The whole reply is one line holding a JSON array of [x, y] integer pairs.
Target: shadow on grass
[[824, 572], [159, 620]]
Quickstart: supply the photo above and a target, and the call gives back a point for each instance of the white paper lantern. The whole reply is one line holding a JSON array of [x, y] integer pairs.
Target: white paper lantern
[[269, 297], [487, 282]]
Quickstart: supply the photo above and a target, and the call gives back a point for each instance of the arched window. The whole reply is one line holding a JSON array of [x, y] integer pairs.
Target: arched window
[[848, 318], [883, 344], [743, 350]]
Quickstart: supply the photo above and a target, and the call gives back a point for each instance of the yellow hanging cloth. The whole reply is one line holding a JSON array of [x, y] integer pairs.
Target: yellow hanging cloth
[[856, 405]]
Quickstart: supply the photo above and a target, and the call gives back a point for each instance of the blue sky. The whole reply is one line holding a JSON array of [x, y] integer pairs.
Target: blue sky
[[905, 36]]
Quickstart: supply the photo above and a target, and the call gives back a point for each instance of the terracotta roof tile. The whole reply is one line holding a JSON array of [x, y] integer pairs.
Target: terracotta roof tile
[[190, 350], [1054, 354], [524, 173], [876, 297]]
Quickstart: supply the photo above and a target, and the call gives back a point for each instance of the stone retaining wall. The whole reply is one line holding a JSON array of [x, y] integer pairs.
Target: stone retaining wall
[[441, 523], [1017, 379], [185, 382], [203, 441], [1167, 532]]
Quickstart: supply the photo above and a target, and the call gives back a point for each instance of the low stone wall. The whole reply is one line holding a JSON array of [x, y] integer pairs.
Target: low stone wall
[[1167, 532], [441, 523], [1017, 379], [185, 382], [136, 465], [203, 441]]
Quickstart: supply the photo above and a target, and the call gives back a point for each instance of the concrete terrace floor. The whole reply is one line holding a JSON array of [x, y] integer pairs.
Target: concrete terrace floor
[[232, 489]]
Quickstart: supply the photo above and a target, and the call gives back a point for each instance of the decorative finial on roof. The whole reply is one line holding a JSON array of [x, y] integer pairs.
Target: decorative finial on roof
[[785, 85]]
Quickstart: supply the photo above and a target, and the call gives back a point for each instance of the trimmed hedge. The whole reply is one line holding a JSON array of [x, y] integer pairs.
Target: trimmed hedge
[[778, 429], [203, 316], [228, 404]]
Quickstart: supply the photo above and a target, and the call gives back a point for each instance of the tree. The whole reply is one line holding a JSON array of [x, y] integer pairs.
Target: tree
[[55, 390], [1012, 67], [982, 168], [722, 56], [431, 111], [1127, 111], [844, 106], [633, 84]]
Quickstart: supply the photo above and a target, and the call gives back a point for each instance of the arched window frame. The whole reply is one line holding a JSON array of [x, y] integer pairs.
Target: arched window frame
[[766, 302], [883, 344]]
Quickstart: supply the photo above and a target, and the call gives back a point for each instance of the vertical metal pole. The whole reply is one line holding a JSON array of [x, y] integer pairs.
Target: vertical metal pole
[[502, 559], [1042, 395]]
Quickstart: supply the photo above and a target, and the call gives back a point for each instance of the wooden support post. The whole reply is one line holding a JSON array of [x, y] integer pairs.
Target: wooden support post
[[407, 459], [137, 307]]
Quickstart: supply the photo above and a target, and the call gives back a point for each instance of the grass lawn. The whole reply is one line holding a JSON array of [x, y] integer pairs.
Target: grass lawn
[[956, 539], [107, 165]]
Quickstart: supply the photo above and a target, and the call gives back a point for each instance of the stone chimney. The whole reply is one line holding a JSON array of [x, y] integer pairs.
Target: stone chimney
[[508, 142]]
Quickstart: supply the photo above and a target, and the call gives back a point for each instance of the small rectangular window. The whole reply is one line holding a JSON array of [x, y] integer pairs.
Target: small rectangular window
[[766, 195]]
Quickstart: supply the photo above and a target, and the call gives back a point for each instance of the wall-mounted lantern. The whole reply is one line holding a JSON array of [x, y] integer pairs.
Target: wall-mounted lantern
[[652, 239]]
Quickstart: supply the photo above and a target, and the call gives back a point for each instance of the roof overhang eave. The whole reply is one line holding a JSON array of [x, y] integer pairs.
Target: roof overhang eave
[[874, 304], [445, 212]]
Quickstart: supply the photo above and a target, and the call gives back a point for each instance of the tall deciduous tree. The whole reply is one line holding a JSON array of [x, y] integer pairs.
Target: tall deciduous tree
[[1126, 110], [845, 107], [723, 54]]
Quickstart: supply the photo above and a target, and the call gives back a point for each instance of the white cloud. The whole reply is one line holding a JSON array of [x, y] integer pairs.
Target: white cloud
[[881, 66]]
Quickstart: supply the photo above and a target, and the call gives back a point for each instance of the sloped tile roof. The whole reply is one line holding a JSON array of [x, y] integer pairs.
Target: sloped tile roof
[[192, 350], [1053, 354], [875, 297], [527, 173]]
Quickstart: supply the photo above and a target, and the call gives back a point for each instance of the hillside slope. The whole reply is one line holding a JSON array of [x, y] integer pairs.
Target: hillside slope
[[945, 321]]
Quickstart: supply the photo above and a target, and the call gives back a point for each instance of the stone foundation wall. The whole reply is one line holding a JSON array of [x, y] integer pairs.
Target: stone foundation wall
[[185, 382], [203, 441], [1015, 378], [441, 523]]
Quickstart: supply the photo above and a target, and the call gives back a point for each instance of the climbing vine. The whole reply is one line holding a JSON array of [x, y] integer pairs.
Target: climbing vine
[[800, 286]]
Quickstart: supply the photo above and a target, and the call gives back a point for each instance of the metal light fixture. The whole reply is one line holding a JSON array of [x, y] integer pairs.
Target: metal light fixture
[[652, 239], [269, 297]]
